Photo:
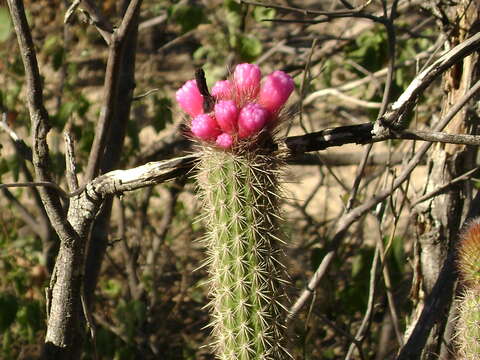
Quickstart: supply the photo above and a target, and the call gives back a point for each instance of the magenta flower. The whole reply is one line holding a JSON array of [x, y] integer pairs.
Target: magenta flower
[[247, 80], [224, 140], [226, 113], [222, 89], [251, 120], [190, 99], [275, 91], [243, 106], [205, 127]]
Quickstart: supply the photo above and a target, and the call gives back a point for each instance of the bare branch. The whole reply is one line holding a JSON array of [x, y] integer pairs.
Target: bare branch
[[347, 219], [405, 103], [348, 12], [39, 120], [107, 114], [94, 15]]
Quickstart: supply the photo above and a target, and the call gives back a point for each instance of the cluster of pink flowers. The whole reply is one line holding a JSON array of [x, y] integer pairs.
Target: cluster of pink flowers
[[243, 105]]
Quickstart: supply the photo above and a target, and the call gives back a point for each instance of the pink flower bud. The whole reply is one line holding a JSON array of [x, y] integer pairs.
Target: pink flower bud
[[205, 127], [225, 141], [190, 99], [252, 119], [222, 90], [247, 79], [226, 113], [275, 91]]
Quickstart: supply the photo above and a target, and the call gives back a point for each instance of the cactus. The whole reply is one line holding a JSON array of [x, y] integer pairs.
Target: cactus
[[468, 324], [237, 176]]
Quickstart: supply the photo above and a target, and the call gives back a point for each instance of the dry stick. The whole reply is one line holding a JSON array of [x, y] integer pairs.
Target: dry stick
[[349, 218], [444, 187], [136, 289], [95, 17], [107, 113], [388, 283], [393, 119], [71, 171], [310, 12], [362, 134], [40, 122], [361, 332], [26, 216]]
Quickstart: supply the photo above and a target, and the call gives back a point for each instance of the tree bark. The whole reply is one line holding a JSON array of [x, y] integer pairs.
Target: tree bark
[[439, 219]]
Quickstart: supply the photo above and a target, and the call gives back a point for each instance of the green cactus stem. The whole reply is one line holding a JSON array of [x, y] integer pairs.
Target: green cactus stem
[[240, 198], [468, 322]]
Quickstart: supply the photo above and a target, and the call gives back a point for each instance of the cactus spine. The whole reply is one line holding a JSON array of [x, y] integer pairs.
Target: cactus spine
[[468, 324], [238, 180], [239, 193]]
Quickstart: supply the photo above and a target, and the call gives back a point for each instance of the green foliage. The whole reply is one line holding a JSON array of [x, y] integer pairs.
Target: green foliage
[[78, 105], [188, 16], [5, 25], [132, 314], [370, 50], [163, 113], [262, 13], [9, 307], [53, 49]]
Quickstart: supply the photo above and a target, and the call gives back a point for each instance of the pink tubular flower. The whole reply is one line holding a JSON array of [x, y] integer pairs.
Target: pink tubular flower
[[251, 120], [190, 99], [225, 141], [222, 90], [275, 91], [247, 79], [226, 113], [205, 127]]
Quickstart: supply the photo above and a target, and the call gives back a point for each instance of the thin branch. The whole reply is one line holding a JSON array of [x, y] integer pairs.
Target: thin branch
[[405, 103], [362, 134], [23, 212], [71, 171], [367, 318], [39, 120], [307, 12], [444, 187], [47, 184], [107, 114], [22, 149], [344, 223], [310, 288], [94, 15]]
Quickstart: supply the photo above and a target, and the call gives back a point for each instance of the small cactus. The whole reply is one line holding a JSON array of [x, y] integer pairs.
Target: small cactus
[[237, 177], [468, 324]]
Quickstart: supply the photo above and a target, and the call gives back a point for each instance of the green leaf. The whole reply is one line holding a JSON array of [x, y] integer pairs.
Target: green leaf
[[188, 17], [112, 288], [163, 113], [260, 14], [250, 48], [8, 310], [5, 25]]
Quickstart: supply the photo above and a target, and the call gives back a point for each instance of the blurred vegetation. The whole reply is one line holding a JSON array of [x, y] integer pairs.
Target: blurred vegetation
[[170, 315]]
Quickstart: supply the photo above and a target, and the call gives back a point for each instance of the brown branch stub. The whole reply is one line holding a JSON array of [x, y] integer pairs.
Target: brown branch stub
[[359, 134], [119, 181]]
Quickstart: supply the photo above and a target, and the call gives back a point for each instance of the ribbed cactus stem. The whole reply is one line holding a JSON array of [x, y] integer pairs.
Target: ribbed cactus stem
[[239, 194], [468, 324], [238, 179]]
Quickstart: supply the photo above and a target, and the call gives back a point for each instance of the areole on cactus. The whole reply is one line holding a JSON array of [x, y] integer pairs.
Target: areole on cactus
[[468, 321], [237, 177]]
